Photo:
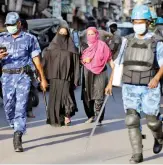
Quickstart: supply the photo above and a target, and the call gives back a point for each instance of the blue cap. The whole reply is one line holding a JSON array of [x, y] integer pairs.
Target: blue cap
[[12, 18], [159, 21], [141, 12], [154, 15]]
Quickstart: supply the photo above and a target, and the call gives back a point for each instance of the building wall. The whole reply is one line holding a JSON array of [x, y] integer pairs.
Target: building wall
[[43, 4], [79, 2]]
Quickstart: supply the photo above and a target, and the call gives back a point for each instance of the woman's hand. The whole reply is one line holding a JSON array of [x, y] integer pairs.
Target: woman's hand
[[44, 84], [87, 60], [108, 89]]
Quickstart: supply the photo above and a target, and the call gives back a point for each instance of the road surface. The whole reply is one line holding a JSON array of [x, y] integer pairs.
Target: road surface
[[45, 144]]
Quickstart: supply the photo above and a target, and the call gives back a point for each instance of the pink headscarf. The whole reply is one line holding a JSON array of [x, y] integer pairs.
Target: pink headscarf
[[98, 52]]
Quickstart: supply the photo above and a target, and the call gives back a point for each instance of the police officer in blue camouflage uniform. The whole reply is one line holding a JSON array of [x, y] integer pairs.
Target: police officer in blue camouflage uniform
[[17, 51], [143, 69]]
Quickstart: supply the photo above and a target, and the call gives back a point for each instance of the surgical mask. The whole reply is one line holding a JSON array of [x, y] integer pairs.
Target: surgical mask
[[12, 29], [140, 28]]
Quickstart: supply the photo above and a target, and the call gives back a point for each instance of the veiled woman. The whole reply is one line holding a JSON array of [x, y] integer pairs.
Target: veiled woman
[[95, 57], [61, 64]]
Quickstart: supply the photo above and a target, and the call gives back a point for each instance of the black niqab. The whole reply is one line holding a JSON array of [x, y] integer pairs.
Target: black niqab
[[61, 60], [63, 42]]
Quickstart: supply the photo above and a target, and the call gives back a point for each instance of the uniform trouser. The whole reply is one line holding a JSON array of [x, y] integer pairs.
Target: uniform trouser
[[16, 89], [133, 124], [30, 105], [137, 99]]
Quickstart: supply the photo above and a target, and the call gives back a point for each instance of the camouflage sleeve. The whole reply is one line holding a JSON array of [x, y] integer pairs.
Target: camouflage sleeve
[[159, 50], [34, 47]]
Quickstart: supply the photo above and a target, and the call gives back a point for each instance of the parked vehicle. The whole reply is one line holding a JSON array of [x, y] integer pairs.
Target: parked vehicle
[[125, 28], [43, 29]]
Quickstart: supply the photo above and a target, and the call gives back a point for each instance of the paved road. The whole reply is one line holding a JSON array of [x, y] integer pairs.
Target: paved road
[[46, 144]]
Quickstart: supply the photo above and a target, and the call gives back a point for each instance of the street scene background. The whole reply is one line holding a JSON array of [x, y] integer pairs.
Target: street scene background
[[45, 144]]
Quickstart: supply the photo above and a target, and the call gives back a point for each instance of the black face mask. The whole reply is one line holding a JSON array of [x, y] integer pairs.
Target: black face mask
[[112, 30]]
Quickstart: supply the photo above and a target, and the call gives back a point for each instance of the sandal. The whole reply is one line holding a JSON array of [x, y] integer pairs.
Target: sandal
[[67, 121], [90, 120]]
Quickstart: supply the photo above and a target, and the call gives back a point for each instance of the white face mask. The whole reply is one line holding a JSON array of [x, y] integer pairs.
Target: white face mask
[[12, 29], [140, 28]]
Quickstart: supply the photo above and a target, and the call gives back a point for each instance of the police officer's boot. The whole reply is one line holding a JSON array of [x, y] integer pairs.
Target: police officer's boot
[[157, 147], [155, 125], [17, 141], [133, 123]]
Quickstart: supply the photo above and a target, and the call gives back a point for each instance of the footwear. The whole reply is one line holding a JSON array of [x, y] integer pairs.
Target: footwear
[[136, 158], [90, 120], [67, 121], [17, 141], [157, 147]]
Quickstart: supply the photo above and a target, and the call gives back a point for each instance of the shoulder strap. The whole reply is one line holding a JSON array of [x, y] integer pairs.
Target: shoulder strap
[[155, 39], [130, 37]]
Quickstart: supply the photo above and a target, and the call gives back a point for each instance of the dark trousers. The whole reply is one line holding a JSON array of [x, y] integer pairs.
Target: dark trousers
[[93, 108]]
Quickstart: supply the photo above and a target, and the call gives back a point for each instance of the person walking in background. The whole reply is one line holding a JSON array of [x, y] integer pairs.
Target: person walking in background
[[61, 64], [115, 41], [95, 56]]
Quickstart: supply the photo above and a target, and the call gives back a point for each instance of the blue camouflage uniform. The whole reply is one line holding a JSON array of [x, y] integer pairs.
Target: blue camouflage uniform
[[16, 87], [141, 98]]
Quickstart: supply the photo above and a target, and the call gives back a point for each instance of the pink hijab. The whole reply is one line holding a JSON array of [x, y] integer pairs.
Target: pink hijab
[[98, 52]]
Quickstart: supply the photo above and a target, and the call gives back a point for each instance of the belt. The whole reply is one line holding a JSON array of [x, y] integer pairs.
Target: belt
[[15, 71]]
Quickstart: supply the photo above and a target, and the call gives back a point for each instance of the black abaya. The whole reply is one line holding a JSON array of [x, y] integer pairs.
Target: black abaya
[[61, 65]]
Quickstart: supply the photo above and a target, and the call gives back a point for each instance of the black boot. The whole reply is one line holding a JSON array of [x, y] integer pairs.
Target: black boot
[[157, 147], [17, 141], [155, 125], [136, 158], [136, 143], [133, 123]]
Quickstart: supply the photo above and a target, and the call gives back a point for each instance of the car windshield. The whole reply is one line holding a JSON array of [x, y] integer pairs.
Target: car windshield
[[126, 31]]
